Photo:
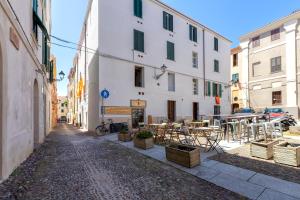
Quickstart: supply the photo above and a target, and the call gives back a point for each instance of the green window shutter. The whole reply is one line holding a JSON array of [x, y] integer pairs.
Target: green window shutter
[[51, 72], [138, 41], [35, 6], [195, 34], [170, 51], [138, 8], [216, 66], [216, 44], [165, 20], [171, 23], [221, 90], [191, 32], [48, 57], [208, 88], [215, 87]]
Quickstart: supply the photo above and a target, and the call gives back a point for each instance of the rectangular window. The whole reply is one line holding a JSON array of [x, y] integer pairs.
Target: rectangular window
[[35, 6], [195, 86], [195, 60], [168, 21], [138, 8], [276, 64], [217, 90], [256, 69], [193, 33], [138, 41], [170, 51], [171, 82], [276, 98], [235, 59], [216, 66], [235, 78], [275, 34], [207, 88], [216, 44], [256, 41], [139, 77]]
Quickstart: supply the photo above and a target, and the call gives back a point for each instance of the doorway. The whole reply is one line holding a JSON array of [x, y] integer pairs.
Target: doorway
[[36, 112], [235, 107], [195, 111], [172, 111], [138, 116]]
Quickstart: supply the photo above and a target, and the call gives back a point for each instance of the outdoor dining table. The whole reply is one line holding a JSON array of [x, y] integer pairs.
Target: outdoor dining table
[[203, 132]]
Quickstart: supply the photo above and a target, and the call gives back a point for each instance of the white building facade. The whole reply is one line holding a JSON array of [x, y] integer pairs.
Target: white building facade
[[156, 63], [25, 102]]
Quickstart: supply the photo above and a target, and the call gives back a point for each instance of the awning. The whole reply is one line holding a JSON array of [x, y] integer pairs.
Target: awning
[[40, 23]]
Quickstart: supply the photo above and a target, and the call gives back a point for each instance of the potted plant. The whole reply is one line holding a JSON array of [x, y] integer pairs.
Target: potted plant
[[143, 140], [185, 155], [287, 153], [124, 135], [263, 148]]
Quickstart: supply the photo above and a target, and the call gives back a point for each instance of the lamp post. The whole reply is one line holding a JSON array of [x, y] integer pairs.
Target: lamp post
[[163, 71]]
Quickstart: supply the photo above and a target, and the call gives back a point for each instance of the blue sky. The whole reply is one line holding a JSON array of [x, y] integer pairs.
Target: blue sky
[[231, 18]]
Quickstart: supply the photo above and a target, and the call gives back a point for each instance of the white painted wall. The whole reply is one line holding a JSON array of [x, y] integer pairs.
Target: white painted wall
[[18, 79]]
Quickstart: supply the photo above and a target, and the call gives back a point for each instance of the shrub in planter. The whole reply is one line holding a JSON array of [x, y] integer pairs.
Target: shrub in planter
[[185, 155], [263, 148], [124, 135], [287, 153], [144, 140]]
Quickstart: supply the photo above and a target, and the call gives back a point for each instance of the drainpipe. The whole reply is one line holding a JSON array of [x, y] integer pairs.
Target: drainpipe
[[204, 77], [248, 88], [85, 61]]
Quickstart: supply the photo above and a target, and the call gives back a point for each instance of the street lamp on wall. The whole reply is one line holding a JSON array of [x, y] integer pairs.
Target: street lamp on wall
[[61, 76], [163, 71]]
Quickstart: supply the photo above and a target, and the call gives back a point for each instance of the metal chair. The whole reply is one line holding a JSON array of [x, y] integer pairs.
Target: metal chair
[[214, 140]]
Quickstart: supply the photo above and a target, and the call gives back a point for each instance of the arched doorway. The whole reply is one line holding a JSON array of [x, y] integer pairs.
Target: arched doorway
[[36, 112], [235, 107]]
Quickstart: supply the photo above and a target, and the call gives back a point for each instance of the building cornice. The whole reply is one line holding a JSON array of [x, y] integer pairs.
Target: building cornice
[[270, 26]]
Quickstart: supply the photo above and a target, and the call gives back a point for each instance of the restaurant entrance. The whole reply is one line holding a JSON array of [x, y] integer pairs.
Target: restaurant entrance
[[138, 116]]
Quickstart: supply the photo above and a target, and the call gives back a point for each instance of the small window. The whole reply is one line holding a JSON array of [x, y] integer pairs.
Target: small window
[[138, 8], [276, 98], [195, 60], [217, 110], [139, 77], [195, 86], [256, 41], [275, 34], [62, 110], [216, 44], [168, 21], [62, 105], [170, 51], [256, 69], [138, 41], [193, 33], [276, 64], [235, 59], [235, 78], [207, 88], [216, 66], [171, 82]]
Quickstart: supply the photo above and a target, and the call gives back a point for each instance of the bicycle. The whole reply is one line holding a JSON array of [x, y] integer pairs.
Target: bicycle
[[103, 129]]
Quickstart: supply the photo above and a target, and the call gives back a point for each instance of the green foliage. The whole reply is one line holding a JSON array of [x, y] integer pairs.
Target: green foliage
[[144, 135]]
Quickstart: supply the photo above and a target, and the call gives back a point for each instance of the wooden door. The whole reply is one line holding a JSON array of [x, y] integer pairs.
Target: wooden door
[[195, 111], [172, 111]]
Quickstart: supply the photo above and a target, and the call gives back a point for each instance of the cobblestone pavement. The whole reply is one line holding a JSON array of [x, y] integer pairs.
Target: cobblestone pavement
[[71, 165]]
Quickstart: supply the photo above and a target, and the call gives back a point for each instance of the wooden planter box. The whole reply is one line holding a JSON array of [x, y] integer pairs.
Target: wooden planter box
[[143, 143], [287, 153], [262, 149], [184, 155], [124, 137]]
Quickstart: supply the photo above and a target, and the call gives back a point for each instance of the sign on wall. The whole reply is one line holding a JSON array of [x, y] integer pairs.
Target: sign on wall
[[117, 110], [138, 103]]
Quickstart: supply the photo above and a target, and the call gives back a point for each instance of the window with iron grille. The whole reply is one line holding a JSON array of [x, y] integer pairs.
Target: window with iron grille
[[195, 60], [275, 34], [195, 86], [256, 41], [276, 98], [276, 64]]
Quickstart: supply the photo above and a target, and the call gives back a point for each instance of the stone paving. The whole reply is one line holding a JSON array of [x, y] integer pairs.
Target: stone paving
[[71, 165], [242, 181]]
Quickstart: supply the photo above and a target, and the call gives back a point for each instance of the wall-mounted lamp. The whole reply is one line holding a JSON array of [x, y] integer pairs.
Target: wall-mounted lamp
[[163, 71]]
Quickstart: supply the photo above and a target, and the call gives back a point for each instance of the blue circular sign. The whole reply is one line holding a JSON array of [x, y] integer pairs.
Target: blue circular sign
[[105, 93]]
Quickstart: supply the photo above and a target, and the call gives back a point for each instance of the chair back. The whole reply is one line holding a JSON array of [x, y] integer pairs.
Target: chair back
[[217, 123]]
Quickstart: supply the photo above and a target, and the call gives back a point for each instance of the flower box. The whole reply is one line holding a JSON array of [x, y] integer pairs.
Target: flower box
[[184, 155], [145, 144], [262, 149], [124, 136], [287, 153]]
